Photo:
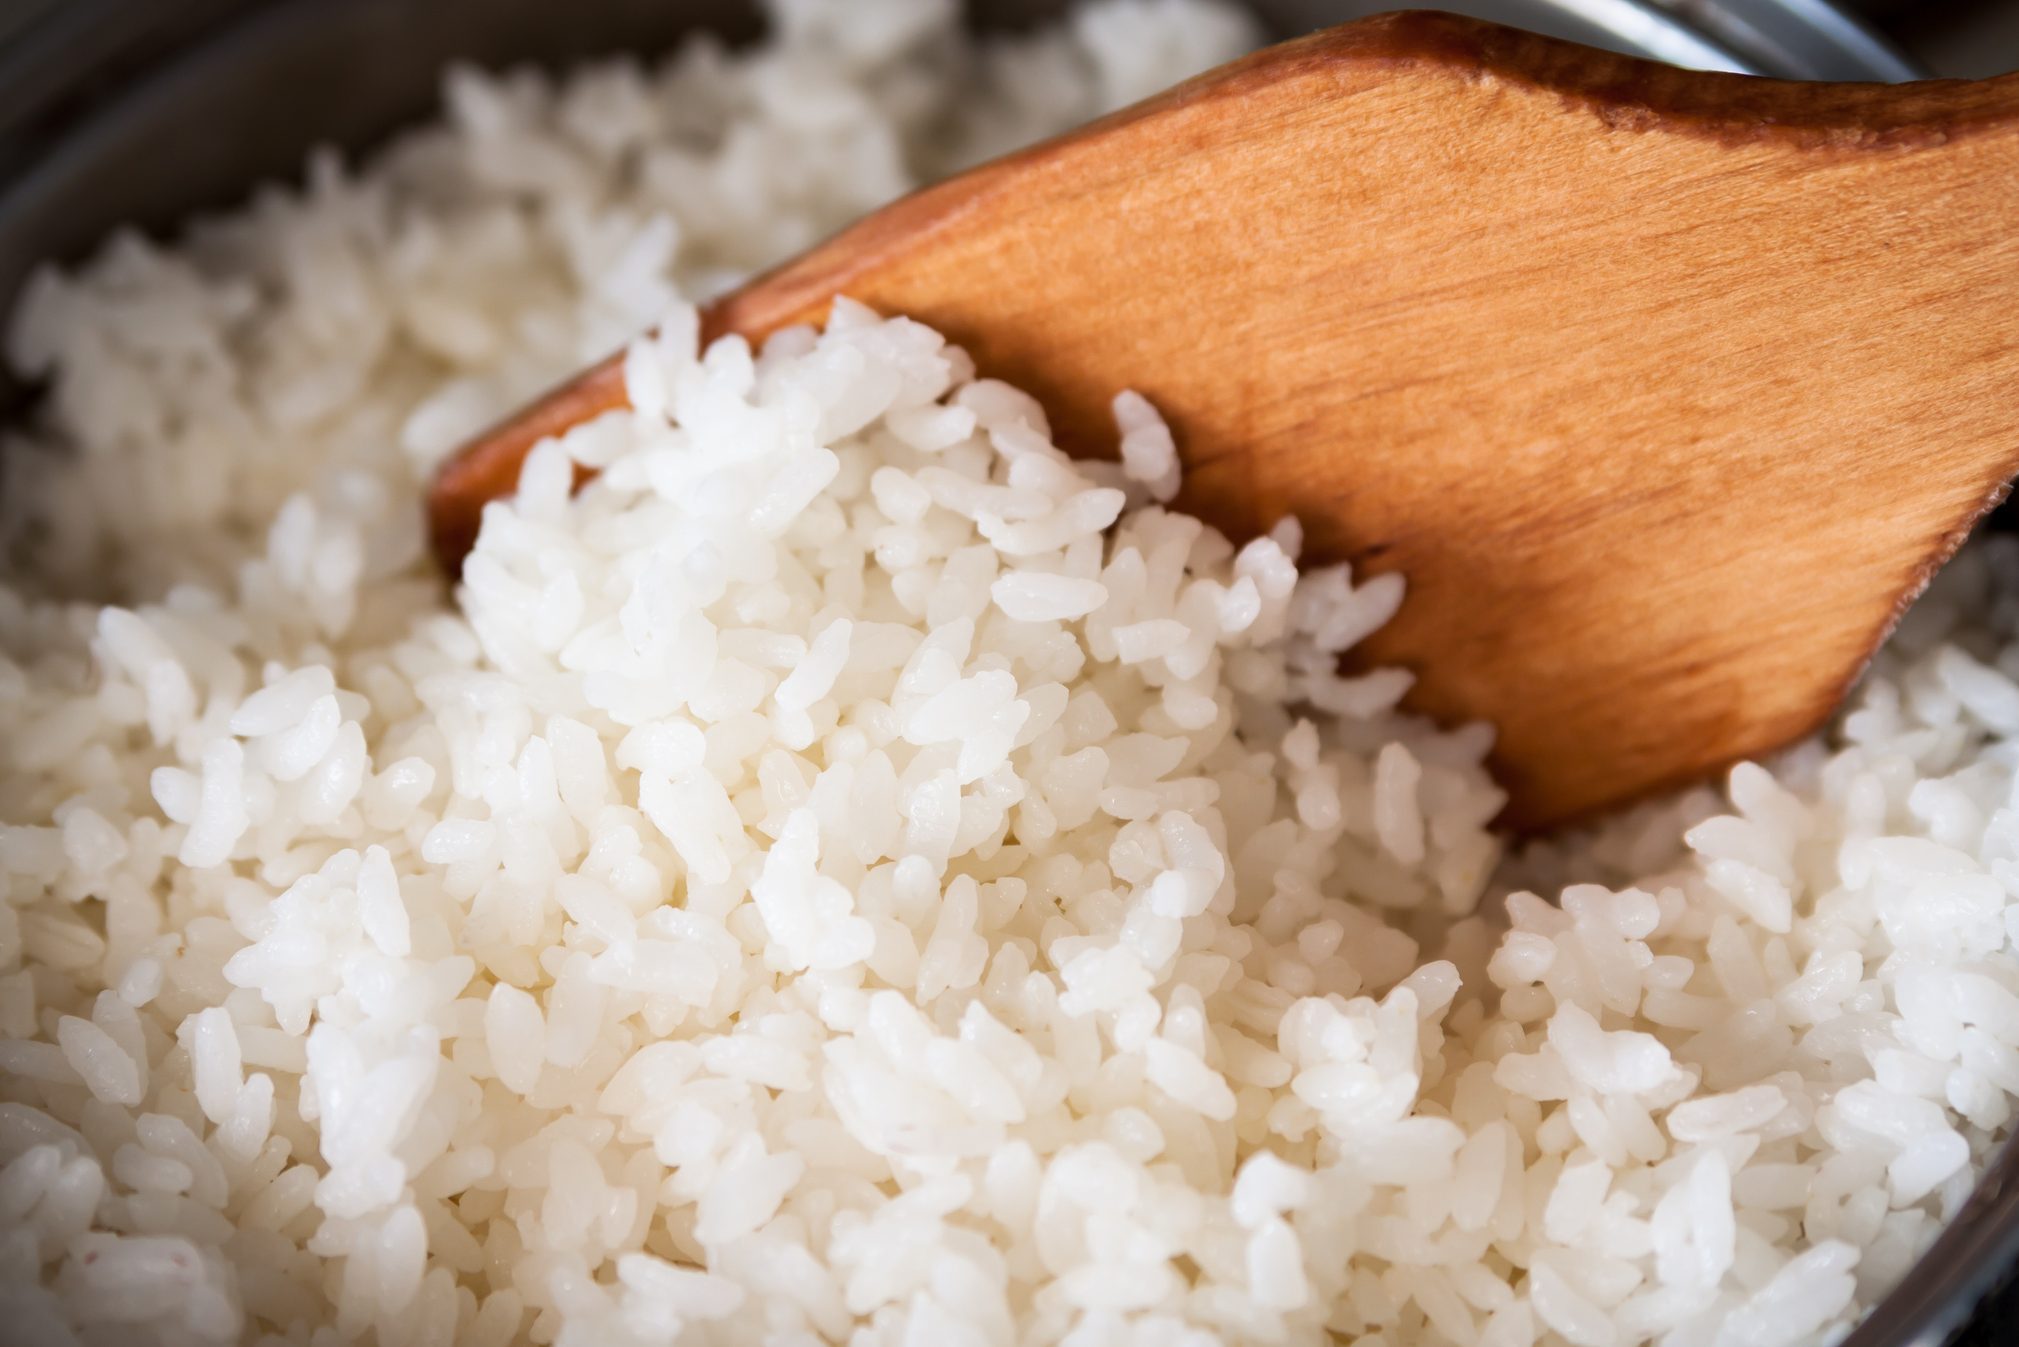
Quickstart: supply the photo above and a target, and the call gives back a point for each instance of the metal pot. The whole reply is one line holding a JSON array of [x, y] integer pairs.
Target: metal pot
[[138, 112]]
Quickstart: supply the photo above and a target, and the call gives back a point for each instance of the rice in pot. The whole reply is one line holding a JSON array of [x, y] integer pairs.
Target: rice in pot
[[852, 874]]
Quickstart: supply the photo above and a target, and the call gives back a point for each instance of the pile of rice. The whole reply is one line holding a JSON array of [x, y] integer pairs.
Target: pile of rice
[[852, 874]]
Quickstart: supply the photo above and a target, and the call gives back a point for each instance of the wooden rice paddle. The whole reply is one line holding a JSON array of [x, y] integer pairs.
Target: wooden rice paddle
[[1666, 391]]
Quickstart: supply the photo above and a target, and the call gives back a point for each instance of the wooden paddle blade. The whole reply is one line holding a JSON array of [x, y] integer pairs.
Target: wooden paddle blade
[[487, 468], [1665, 390]]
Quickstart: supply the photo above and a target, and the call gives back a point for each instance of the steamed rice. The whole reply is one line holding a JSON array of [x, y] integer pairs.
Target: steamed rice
[[853, 874]]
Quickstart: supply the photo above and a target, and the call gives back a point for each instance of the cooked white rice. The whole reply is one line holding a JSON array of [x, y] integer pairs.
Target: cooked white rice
[[853, 875]]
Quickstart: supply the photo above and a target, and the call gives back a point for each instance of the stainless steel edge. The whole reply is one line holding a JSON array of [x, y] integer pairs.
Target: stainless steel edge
[[1800, 39], [1635, 27], [1789, 39]]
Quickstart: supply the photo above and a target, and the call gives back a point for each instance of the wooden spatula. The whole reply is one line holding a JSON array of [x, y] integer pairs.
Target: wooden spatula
[[1667, 391]]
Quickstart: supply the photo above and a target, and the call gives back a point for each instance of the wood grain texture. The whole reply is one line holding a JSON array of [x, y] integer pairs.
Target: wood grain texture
[[1667, 391]]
